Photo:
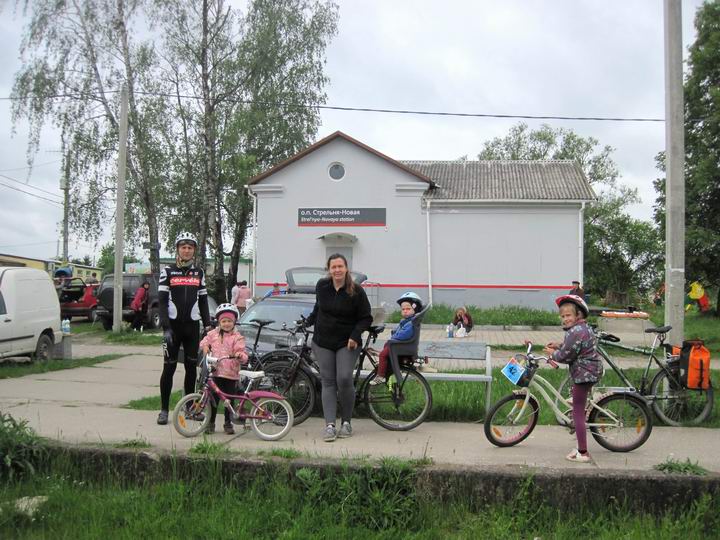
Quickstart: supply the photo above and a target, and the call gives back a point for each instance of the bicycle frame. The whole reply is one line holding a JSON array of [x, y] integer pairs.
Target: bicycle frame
[[211, 389], [542, 385]]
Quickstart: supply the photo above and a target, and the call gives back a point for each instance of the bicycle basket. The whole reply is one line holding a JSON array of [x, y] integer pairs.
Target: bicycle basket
[[519, 370]]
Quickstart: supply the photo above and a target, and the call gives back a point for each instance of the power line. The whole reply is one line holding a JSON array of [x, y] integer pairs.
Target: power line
[[54, 203], [381, 111], [30, 185], [30, 244], [30, 167]]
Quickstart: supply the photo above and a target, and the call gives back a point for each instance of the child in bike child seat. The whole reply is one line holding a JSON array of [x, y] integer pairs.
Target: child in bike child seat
[[578, 350], [410, 304], [228, 345]]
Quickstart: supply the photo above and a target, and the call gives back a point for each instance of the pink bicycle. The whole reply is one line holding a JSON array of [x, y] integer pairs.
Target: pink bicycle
[[270, 415]]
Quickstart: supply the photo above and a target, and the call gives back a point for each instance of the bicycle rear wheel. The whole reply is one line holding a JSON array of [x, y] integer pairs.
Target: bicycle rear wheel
[[508, 424], [277, 419], [622, 422], [297, 388], [678, 406], [191, 416], [400, 408]]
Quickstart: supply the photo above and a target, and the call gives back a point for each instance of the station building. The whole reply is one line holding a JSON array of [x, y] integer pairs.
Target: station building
[[483, 233]]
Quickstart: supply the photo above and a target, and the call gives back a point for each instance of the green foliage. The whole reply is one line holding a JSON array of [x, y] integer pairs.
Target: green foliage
[[621, 253], [496, 316], [675, 466], [285, 453], [152, 403], [20, 449], [106, 260], [9, 371], [209, 448], [372, 498]]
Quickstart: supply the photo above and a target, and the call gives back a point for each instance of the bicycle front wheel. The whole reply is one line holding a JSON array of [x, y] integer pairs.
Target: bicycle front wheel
[[191, 416], [276, 419], [297, 388], [678, 406], [508, 423], [620, 422], [399, 405]]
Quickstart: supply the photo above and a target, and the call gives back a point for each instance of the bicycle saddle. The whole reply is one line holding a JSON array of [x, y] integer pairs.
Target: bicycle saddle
[[609, 337], [262, 322], [379, 329], [658, 330]]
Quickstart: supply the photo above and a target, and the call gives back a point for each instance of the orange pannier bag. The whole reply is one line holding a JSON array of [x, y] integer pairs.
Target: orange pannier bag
[[695, 365]]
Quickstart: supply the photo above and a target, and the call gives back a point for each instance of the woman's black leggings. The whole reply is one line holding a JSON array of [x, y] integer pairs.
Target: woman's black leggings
[[186, 334]]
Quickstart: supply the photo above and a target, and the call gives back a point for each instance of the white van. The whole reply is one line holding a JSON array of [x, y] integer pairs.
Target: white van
[[29, 313]]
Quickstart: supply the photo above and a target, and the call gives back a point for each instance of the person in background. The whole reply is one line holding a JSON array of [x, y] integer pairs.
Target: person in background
[[92, 280], [577, 290], [139, 305], [182, 302], [241, 295], [462, 319], [340, 316], [275, 291]]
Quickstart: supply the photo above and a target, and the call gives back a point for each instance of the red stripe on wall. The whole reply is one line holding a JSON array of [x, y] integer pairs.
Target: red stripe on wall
[[442, 286], [333, 224]]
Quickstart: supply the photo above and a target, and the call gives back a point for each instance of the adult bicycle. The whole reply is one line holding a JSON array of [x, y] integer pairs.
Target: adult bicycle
[[619, 420], [671, 401], [398, 405]]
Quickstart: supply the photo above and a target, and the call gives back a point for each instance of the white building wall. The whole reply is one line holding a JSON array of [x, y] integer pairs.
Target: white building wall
[[392, 253]]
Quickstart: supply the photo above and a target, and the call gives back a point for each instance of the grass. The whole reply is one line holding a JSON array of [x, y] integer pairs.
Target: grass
[[9, 371], [675, 466], [285, 453], [372, 502], [497, 316], [133, 443], [209, 448], [697, 326], [86, 328], [128, 337]]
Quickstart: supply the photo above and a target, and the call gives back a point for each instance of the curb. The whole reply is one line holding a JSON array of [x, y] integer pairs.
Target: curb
[[476, 486]]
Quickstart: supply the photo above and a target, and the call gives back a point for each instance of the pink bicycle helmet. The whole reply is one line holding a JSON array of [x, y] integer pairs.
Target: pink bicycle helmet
[[573, 299]]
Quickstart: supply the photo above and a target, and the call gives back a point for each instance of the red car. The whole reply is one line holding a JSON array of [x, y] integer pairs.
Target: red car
[[77, 299]]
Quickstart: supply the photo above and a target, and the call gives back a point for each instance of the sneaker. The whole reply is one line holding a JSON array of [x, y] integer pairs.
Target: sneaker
[[229, 429], [427, 368], [577, 457], [330, 433], [345, 431], [162, 418], [210, 429], [378, 380]]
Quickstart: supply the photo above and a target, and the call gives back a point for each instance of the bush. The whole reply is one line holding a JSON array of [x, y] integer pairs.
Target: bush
[[497, 316], [20, 448]]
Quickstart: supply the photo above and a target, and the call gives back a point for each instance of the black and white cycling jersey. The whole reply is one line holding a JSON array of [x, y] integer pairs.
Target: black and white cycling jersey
[[182, 295]]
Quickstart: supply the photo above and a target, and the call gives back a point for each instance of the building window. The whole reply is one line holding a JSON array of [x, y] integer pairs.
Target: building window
[[336, 171]]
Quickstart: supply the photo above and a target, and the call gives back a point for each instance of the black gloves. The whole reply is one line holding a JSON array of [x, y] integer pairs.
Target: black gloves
[[168, 338]]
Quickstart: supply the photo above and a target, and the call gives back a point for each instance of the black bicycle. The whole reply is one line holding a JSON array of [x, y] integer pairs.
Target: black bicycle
[[671, 401], [398, 404]]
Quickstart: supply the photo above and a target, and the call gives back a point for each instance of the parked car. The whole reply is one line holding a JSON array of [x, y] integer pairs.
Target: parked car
[[285, 309], [78, 299], [29, 313], [131, 282]]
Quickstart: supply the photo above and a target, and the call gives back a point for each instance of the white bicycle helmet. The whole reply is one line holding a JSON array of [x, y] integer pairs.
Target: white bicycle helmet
[[414, 300], [185, 237], [226, 308]]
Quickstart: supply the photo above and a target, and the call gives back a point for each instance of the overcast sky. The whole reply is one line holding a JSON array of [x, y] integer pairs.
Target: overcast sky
[[541, 57]]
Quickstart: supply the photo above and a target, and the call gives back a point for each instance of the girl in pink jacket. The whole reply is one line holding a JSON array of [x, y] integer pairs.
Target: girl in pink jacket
[[228, 345]]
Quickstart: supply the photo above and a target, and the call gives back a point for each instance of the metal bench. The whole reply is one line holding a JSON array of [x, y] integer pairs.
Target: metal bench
[[457, 350]]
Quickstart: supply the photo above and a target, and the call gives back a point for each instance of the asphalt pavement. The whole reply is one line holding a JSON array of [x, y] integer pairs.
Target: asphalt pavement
[[86, 406]]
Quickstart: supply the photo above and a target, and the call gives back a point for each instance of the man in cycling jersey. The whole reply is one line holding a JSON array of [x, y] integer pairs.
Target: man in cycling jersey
[[182, 302]]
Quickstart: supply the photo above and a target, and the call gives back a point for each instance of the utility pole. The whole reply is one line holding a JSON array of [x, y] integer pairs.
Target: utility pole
[[675, 166], [120, 213], [65, 185]]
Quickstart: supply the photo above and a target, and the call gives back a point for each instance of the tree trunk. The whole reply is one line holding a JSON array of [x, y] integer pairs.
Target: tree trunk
[[238, 239]]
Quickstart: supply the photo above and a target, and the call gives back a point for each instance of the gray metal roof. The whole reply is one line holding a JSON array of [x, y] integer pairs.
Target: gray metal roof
[[552, 180]]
